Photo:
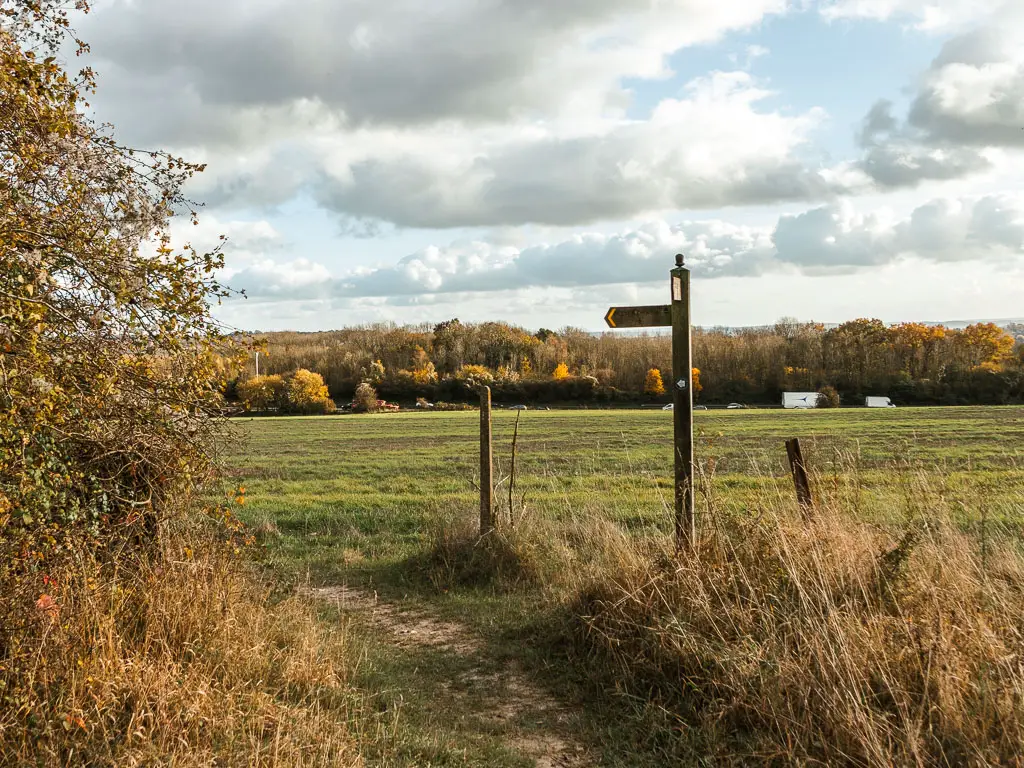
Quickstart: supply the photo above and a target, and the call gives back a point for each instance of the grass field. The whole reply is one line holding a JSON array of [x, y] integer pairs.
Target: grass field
[[365, 489], [359, 500]]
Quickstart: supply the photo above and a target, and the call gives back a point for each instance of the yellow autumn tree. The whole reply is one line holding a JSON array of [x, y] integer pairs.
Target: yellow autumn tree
[[561, 372], [262, 392], [307, 393], [653, 385], [695, 380]]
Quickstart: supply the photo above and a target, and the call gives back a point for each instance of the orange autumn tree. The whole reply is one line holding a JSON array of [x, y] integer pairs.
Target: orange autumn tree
[[653, 385], [561, 372], [984, 345]]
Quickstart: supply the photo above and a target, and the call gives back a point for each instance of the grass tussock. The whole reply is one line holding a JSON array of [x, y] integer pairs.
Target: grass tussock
[[537, 553], [186, 660], [505, 559], [824, 642]]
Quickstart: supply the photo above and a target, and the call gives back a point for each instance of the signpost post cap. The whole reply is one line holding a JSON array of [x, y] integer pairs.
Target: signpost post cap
[[679, 259]]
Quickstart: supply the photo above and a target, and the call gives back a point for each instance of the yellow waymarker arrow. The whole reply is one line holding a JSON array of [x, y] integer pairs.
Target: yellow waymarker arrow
[[609, 318]]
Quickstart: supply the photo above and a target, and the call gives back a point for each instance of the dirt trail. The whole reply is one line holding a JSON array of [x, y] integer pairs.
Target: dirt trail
[[522, 701]]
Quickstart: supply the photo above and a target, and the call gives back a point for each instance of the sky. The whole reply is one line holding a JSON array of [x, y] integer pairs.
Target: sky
[[537, 161]]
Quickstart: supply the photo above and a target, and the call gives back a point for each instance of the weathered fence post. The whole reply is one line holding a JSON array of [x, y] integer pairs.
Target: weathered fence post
[[486, 464], [800, 480]]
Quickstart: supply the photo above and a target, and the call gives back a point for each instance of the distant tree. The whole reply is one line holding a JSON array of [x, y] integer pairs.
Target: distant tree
[[561, 372], [307, 393], [423, 370], [475, 375], [828, 397], [262, 392], [365, 400], [526, 368], [984, 345], [377, 372], [544, 334], [653, 385]]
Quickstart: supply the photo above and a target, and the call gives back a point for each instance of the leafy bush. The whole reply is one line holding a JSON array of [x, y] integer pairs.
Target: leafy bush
[[828, 397], [307, 393], [365, 400], [112, 364], [453, 407], [475, 376], [262, 393]]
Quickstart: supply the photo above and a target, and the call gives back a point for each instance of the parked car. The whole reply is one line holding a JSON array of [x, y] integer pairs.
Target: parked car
[[517, 408], [700, 407], [735, 405], [669, 407]]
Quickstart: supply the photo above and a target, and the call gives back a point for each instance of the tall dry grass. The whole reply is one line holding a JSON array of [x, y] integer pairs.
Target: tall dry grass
[[187, 660], [834, 641]]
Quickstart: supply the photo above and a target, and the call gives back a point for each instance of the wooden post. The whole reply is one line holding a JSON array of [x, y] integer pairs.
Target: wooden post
[[486, 465], [682, 399], [800, 480]]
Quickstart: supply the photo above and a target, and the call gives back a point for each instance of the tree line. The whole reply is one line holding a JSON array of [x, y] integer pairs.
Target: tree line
[[913, 363]]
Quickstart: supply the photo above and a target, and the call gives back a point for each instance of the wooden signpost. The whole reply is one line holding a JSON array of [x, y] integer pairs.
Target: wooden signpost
[[676, 315]]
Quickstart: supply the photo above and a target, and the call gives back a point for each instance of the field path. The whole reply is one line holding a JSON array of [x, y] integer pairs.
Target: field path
[[531, 722]]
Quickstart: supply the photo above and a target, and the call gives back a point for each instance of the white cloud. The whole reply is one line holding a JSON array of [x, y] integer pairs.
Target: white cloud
[[829, 239], [712, 148], [973, 94], [933, 15], [966, 109], [452, 113], [406, 61]]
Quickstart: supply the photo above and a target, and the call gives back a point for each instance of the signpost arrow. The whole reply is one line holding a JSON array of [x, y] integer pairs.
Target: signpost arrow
[[639, 317]]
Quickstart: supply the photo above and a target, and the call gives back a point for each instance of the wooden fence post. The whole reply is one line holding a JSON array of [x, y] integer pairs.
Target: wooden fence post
[[800, 479], [486, 464]]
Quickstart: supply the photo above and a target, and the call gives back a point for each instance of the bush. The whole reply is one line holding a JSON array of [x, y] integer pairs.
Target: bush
[[112, 363], [828, 397], [475, 376], [365, 400], [454, 407], [261, 393], [307, 393]]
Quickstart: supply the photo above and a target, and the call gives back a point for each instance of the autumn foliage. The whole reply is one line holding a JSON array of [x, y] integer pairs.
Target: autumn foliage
[[912, 362], [653, 385], [111, 368], [307, 393], [261, 393]]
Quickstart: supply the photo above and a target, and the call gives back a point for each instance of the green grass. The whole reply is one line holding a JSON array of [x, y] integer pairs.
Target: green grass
[[367, 488], [358, 500]]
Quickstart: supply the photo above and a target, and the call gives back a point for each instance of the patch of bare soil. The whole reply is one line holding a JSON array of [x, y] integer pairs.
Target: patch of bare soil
[[509, 696]]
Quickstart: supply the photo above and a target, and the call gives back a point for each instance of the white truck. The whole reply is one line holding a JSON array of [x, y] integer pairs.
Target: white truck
[[799, 399], [878, 402]]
